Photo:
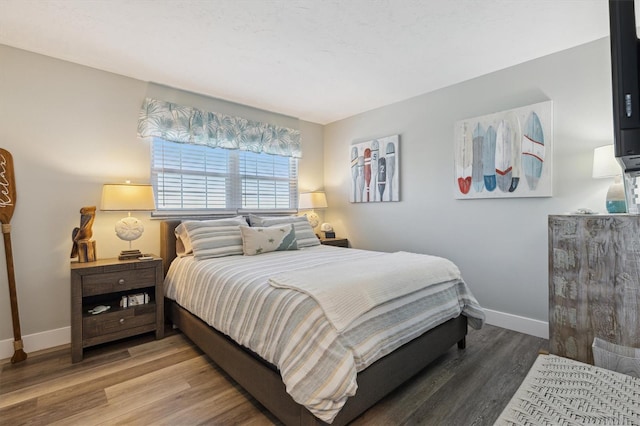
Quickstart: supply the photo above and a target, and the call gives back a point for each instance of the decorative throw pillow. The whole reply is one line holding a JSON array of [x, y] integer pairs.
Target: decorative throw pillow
[[211, 238], [259, 240], [304, 232]]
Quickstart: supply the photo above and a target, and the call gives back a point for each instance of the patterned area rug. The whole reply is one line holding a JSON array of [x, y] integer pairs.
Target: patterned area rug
[[560, 391]]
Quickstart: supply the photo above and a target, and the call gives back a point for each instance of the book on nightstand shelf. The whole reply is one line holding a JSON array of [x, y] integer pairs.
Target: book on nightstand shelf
[[134, 300]]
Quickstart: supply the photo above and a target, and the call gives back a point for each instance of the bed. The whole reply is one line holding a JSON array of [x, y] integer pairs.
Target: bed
[[257, 373]]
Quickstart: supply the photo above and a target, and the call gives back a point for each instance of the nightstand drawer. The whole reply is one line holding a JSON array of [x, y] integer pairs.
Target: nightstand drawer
[[336, 242], [110, 282], [117, 321]]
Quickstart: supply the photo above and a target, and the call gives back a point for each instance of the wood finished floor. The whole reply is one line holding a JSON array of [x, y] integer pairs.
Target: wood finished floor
[[146, 382]]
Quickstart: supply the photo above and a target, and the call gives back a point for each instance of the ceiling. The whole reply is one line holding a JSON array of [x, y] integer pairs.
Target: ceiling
[[319, 60]]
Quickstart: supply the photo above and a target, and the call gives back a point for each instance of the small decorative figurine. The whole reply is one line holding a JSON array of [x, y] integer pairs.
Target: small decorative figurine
[[84, 248]]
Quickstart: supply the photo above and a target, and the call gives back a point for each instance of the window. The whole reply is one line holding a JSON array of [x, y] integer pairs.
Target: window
[[199, 179]]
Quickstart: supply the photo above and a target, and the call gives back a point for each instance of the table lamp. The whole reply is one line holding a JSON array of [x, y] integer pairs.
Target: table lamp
[[128, 197], [605, 165], [311, 201]]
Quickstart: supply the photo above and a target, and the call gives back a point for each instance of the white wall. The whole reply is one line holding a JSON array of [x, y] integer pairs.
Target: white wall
[[71, 129], [500, 245]]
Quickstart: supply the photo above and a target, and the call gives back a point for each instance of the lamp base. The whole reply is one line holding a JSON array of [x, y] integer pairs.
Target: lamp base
[[616, 206], [313, 218], [616, 202], [129, 254]]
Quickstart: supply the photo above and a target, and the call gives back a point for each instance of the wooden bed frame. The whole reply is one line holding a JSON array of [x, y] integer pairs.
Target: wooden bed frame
[[263, 381]]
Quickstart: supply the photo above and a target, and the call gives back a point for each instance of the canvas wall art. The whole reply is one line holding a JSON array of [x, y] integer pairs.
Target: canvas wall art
[[375, 170], [505, 154]]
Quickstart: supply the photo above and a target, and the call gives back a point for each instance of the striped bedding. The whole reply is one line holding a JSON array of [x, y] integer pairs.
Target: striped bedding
[[288, 329]]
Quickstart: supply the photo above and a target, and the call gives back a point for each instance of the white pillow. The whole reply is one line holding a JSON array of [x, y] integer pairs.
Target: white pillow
[[302, 227], [259, 240], [183, 243], [210, 238]]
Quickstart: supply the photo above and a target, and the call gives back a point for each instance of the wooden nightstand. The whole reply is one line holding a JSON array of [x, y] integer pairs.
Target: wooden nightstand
[[104, 282], [337, 242]]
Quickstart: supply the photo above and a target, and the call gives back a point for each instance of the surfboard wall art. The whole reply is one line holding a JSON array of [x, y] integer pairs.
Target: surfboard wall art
[[505, 154], [375, 170]]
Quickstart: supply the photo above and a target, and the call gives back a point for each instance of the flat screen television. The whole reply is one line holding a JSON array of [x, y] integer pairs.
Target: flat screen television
[[625, 72]]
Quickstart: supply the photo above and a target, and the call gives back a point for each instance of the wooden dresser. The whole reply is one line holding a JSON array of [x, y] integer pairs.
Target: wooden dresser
[[594, 282]]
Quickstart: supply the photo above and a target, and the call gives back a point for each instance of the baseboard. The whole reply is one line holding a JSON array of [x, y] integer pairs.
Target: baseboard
[[62, 336], [517, 323], [37, 341]]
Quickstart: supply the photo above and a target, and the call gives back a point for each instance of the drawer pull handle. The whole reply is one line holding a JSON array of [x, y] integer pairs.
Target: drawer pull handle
[[121, 281], [121, 320]]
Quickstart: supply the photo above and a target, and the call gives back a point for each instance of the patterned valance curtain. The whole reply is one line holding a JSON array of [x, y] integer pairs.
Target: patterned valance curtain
[[178, 123]]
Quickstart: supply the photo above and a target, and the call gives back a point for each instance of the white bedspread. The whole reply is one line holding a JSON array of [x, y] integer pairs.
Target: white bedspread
[[287, 328], [348, 289]]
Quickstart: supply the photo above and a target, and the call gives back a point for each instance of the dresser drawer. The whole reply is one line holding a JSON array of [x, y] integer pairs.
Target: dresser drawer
[[111, 282], [117, 321]]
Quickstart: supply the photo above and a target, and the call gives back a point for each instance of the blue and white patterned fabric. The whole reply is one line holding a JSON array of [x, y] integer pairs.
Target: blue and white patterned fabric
[[178, 123], [304, 231], [264, 240]]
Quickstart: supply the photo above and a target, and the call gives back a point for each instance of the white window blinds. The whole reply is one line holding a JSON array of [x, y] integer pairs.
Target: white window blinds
[[197, 179]]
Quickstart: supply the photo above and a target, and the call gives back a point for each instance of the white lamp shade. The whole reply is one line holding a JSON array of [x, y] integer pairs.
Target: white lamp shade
[[312, 200], [605, 163], [127, 197]]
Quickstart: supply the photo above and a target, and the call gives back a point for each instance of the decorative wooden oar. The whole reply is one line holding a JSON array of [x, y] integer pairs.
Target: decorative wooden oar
[[7, 205]]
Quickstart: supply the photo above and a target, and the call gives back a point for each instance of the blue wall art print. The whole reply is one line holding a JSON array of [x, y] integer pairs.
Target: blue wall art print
[[505, 154]]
